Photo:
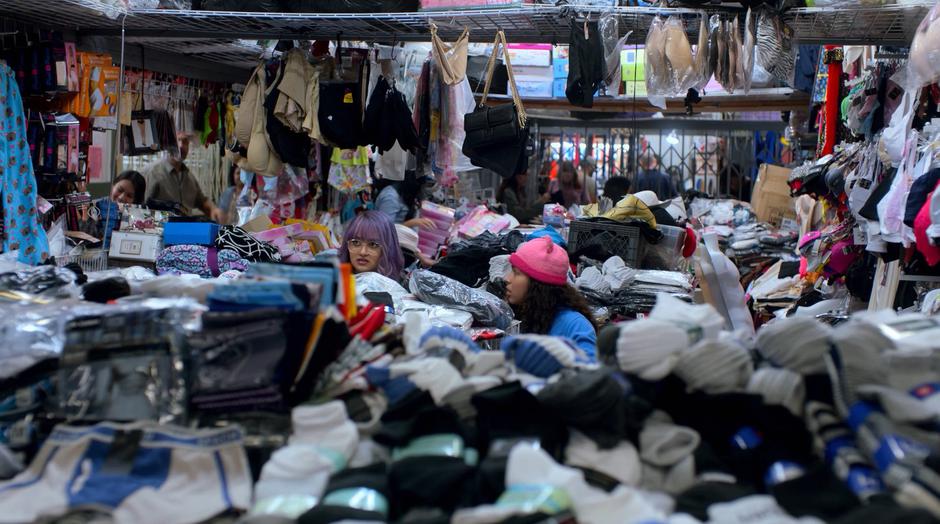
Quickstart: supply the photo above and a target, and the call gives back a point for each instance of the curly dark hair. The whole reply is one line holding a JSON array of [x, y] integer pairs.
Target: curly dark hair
[[542, 303]]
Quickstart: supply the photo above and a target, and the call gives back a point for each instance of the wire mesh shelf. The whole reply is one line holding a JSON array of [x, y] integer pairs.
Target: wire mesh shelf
[[211, 35], [887, 25]]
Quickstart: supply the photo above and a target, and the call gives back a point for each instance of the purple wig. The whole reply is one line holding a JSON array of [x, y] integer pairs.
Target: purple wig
[[377, 227]]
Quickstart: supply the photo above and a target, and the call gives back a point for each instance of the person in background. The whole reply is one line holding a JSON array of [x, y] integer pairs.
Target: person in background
[[402, 200], [650, 178], [371, 245], [538, 290], [566, 189], [512, 193], [616, 188], [170, 180], [588, 167], [128, 188], [229, 198]]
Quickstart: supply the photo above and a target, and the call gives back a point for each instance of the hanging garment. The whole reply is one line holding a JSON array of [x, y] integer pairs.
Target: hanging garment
[[388, 119], [248, 108], [701, 64], [340, 113], [292, 148], [586, 68], [451, 59], [291, 106], [21, 219], [678, 56]]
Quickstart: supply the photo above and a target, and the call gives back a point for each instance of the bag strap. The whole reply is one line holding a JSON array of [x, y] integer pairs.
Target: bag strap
[[499, 46]]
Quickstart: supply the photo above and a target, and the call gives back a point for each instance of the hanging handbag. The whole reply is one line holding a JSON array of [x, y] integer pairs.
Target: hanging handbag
[[141, 136], [496, 135]]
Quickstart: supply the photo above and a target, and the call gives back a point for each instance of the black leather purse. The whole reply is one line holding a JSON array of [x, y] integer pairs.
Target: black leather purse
[[496, 136]]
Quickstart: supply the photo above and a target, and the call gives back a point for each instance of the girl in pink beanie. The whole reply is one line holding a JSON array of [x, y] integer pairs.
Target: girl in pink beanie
[[537, 289]]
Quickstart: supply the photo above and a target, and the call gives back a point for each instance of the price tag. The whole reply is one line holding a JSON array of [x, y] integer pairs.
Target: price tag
[[19, 433]]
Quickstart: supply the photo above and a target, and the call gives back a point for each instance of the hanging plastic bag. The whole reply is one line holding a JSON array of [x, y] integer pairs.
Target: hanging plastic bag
[[721, 284], [776, 52], [925, 49], [457, 101], [737, 56], [678, 57], [894, 136], [609, 29], [655, 67], [702, 64], [349, 170], [747, 53]]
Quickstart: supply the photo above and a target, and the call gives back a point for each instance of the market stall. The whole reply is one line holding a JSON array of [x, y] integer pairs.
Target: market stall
[[445, 262]]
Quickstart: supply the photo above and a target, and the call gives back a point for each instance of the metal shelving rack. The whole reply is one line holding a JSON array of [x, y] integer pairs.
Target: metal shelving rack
[[886, 25]]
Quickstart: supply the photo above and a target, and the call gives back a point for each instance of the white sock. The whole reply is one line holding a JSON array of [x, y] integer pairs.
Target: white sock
[[528, 465], [621, 462], [665, 445], [325, 425]]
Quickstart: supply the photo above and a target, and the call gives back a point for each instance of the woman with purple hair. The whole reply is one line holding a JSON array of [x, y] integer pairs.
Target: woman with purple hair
[[371, 245]]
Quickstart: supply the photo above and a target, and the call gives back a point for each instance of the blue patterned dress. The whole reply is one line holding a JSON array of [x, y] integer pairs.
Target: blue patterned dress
[[21, 227]]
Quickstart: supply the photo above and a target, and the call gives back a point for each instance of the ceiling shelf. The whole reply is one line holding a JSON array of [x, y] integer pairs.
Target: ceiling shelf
[[226, 37], [770, 99], [886, 25]]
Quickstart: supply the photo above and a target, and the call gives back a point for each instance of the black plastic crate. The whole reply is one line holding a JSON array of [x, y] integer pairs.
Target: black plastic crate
[[623, 240]]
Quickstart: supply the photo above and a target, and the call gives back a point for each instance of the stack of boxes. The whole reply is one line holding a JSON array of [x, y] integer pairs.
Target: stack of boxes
[[559, 70]]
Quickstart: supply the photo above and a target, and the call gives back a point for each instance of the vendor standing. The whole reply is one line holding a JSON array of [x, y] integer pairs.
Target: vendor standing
[[171, 180], [538, 290]]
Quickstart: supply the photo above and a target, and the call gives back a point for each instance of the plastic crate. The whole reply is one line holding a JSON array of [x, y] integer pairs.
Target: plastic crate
[[622, 240], [667, 253], [90, 261]]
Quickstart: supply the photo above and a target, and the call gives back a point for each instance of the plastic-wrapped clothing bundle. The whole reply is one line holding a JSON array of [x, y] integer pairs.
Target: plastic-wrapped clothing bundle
[[925, 48], [656, 68], [702, 65], [377, 283], [748, 52], [468, 261], [436, 289], [47, 281], [678, 55], [776, 52], [670, 70]]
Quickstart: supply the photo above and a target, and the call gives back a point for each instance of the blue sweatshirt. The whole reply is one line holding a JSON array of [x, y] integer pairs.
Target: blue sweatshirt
[[572, 325]]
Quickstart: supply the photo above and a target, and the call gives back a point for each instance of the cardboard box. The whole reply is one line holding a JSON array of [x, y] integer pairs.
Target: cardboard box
[[771, 199], [135, 246], [560, 68], [539, 55], [558, 87]]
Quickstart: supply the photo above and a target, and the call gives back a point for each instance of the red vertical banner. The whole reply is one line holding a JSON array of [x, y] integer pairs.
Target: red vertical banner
[[833, 59]]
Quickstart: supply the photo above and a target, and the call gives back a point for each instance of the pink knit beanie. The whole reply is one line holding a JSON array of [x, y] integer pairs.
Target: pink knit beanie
[[543, 261]]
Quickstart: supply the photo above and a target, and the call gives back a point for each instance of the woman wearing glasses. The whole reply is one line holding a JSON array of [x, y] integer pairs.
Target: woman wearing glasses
[[371, 245]]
